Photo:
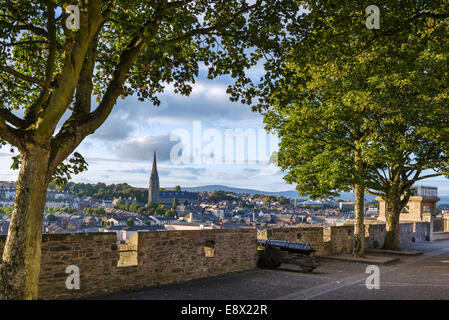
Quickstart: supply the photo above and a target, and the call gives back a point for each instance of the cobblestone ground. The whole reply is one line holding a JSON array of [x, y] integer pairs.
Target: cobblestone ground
[[419, 277]]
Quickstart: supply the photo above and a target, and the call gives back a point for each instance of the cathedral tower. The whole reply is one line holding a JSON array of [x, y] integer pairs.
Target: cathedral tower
[[153, 195]]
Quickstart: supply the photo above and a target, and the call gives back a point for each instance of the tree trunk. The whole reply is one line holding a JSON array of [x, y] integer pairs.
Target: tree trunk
[[392, 215], [20, 268], [359, 227]]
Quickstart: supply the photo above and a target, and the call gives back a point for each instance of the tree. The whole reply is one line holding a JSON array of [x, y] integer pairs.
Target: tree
[[283, 201], [267, 200], [170, 213], [321, 146], [121, 48], [178, 188], [161, 210], [130, 222], [175, 203], [219, 195], [368, 114]]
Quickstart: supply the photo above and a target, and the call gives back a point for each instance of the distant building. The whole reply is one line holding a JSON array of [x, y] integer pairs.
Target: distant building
[[312, 203], [218, 212], [167, 197], [346, 206], [371, 211], [155, 195], [7, 190], [191, 226]]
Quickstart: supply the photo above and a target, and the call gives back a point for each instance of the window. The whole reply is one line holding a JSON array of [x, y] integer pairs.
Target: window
[[406, 209]]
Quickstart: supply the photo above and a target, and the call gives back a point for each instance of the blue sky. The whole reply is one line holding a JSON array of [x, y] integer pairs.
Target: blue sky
[[122, 149]]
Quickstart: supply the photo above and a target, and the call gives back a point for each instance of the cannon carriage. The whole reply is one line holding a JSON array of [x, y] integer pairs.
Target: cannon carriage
[[273, 253]]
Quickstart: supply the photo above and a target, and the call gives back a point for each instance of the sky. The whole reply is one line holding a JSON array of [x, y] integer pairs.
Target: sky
[[122, 149]]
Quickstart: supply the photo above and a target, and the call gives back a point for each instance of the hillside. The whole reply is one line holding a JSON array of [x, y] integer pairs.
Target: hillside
[[288, 193]]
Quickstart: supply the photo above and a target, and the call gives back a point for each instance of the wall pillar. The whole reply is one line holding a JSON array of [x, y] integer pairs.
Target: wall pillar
[[446, 222], [428, 217]]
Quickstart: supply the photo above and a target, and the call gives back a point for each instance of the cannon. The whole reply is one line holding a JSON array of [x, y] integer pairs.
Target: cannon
[[273, 253]]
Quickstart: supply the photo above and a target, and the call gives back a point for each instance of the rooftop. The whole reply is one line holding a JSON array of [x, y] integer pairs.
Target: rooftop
[[413, 277], [178, 194]]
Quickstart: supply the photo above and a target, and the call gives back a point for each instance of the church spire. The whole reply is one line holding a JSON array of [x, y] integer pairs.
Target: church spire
[[154, 170], [153, 191]]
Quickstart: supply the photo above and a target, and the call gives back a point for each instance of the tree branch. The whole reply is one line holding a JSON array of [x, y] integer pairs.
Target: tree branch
[[428, 176], [51, 26], [22, 76], [79, 125], [9, 134], [374, 193], [30, 27], [67, 79], [83, 96], [10, 117], [178, 4]]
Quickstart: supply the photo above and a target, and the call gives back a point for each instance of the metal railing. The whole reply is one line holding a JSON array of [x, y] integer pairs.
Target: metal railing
[[425, 192]]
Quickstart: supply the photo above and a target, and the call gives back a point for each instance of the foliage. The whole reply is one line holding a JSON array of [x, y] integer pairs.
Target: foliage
[[63, 209], [130, 222], [175, 203], [130, 206], [218, 196], [7, 210], [362, 107], [105, 192], [96, 212]]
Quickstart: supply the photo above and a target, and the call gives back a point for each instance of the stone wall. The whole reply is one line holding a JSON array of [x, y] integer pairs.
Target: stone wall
[[95, 254], [153, 258], [421, 231], [438, 224], [406, 234], [175, 256], [312, 235], [161, 257], [374, 235], [338, 239]]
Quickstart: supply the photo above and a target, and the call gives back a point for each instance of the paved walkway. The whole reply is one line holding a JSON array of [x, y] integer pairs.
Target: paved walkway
[[419, 277]]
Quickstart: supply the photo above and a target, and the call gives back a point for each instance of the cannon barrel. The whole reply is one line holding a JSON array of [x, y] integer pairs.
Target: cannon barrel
[[294, 247]]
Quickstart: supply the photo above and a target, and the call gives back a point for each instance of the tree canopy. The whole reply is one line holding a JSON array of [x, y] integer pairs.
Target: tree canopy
[[344, 93]]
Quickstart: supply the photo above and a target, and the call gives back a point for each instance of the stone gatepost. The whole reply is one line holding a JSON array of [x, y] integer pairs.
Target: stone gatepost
[[446, 222], [428, 217]]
